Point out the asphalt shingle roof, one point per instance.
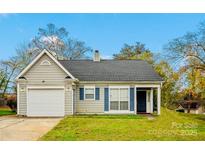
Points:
(111, 70)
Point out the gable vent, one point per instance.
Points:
(45, 63)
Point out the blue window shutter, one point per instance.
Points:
(132, 98)
(81, 93)
(106, 99)
(97, 93)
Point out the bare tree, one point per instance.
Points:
(9, 67)
(188, 50)
(51, 38)
(3, 77)
(57, 40)
(187, 53)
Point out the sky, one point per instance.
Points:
(104, 32)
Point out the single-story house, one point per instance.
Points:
(196, 107)
(52, 87)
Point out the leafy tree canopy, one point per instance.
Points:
(188, 54)
(171, 85)
(136, 51)
(163, 68)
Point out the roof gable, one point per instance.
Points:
(44, 52)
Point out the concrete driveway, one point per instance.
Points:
(14, 128)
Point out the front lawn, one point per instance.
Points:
(168, 126)
(6, 111)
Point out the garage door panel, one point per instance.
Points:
(46, 102)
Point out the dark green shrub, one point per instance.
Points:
(12, 103)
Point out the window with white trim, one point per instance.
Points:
(119, 98)
(89, 93)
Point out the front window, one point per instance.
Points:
(124, 99)
(90, 93)
(119, 99)
(114, 99)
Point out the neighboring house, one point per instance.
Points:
(196, 107)
(51, 87)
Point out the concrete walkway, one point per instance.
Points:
(14, 128)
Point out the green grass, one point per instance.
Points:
(6, 111)
(168, 126)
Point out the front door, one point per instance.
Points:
(141, 101)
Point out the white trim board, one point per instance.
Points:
(122, 82)
(37, 58)
(147, 86)
(46, 87)
(120, 86)
(119, 112)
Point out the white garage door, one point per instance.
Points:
(45, 102)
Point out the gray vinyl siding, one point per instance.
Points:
(53, 75)
(74, 101)
(89, 106)
(94, 106)
(97, 106)
(22, 99)
(68, 100)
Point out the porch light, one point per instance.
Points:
(22, 89)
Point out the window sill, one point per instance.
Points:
(89, 99)
(119, 112)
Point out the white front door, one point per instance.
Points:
(46, 102)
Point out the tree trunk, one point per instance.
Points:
(189, 107)
(2, 82)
